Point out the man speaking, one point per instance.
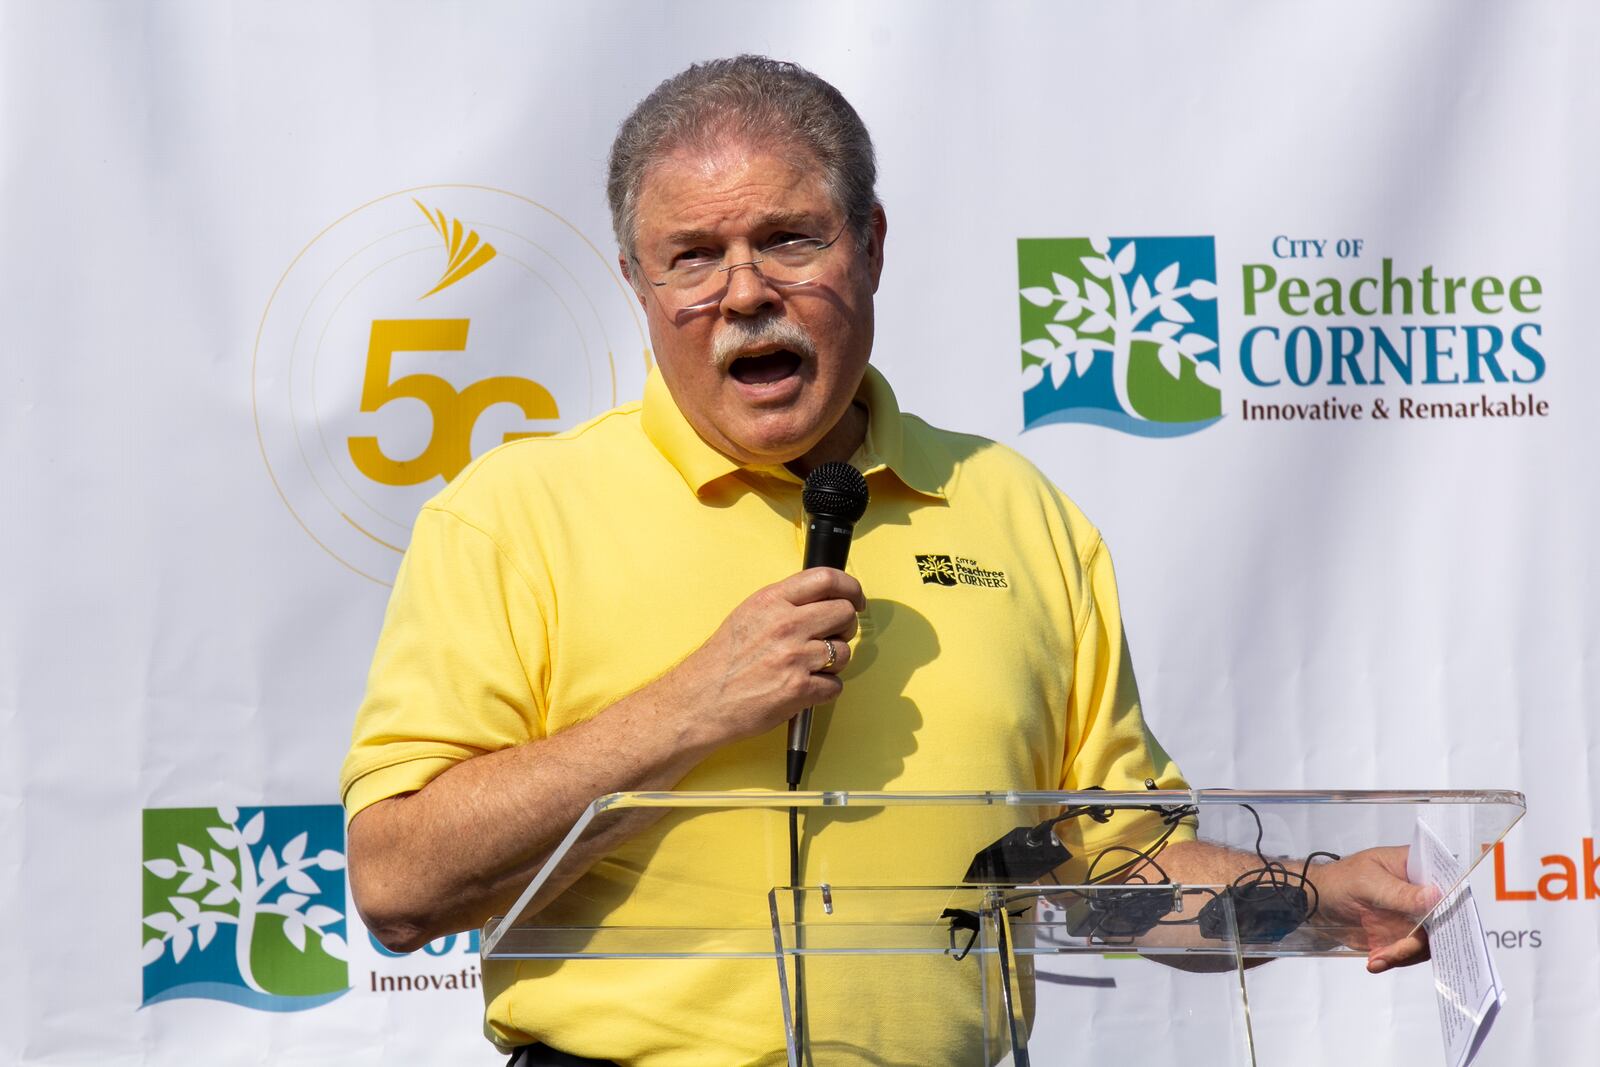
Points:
(620, 607)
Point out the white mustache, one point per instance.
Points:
(741, 335)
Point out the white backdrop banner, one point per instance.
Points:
(1288, 296)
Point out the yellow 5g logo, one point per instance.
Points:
(454, 411)
(367, 394)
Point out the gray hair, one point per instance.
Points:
(750, 98)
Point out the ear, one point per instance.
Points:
(877, 228)
(627, 274)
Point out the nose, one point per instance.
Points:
(749, 293)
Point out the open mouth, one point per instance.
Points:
(764, 368)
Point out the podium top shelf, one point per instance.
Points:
(767, 799)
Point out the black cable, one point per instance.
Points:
(1118, 915)
(1277, 874)
(1272, 883)
(1142, 859)
(1172, 818)
(799, 932)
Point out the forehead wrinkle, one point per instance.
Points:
(766, 220)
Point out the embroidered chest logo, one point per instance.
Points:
(958, 570)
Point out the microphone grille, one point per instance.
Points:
(837, 490)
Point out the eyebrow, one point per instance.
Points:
(769, 220)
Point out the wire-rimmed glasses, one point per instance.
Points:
(701, 281)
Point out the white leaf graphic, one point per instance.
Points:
(295, 931)
(1194, 343)
(330, 860)
(1038, 296)
(1170, 359)
(222, 894)
(302, 882)
(1100, 268)
(1096, 323)
(1059, 371)
(1125, 259)
(1167, 278)
(1100, 244)
(320, 915)
(161, 868)
(1201, 289)
(295, 849)
(1066, 287)
(1042, 347)
(222, 867)
(1069, 310)
(164, 921)
(192, 860)
(292, 901)
(229, 813)
(1166, 329)
(252, 829)
(269, 864)
(334, 946)
(1097, 297)
(1064, 335)
(1085, 360)
(207, 930)
(1209, 374)
(193, 882)
(151, 951)
(185, 907)
(1032, 375)
(1175, 311)
(1141, 292)
(182, 938)
(224, 837)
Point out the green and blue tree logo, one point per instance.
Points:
(245, 905)
(1120, 332)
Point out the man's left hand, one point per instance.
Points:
(1367, 893)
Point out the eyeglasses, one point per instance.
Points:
(699, 281)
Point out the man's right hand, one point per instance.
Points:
(768, 659)
(460, 849)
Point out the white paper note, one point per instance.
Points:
(1464, 974)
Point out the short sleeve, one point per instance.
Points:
(460, 667)
(1108, 743)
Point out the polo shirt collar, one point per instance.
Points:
(885, 447)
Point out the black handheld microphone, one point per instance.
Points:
(835, 498)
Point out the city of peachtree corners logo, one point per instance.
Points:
(935, 569)
(245, 905)
(418, 331)
(1120, 332)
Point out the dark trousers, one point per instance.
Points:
(545, 1056)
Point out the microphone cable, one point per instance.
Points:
(800, 1022)
(834, 498)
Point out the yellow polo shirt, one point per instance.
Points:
(556, 575)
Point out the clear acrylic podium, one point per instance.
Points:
(972, 928)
